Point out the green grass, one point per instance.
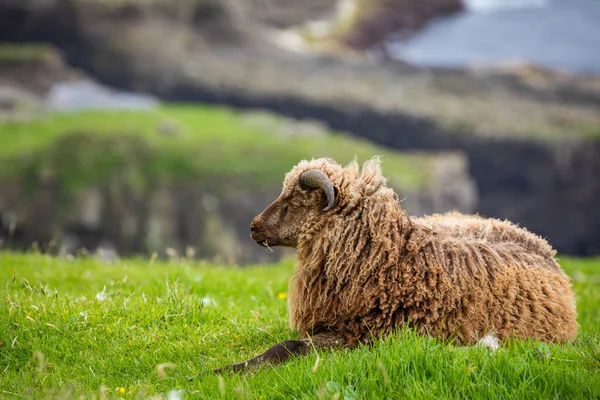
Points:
(58, 339)
(31, 52)
(181, 143)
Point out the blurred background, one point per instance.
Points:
(162, 127)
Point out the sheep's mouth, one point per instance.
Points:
(265, 244)
(262, 240)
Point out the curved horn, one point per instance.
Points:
(315, 179)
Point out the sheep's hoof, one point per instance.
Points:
(200, 374)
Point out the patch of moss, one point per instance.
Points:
(26, 53)
(591, 132)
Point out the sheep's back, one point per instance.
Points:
(456, 229)
(500, 278)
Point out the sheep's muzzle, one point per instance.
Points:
(258, 234)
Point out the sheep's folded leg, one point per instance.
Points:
(282, 351)
(276, 354)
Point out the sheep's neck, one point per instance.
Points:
(356, 242)
(343, 257)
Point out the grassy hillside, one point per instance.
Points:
(141, 328)
(182, 142)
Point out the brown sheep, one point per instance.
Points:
(366, 268)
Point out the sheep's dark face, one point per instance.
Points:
(302, 200)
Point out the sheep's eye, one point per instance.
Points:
(303, 186)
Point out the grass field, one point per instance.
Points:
(138, 328)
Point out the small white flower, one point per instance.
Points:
(101, 296)
(175, 395)
(208, 301)
(489, 341)
(84, 315)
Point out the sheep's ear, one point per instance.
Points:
(317, 179)
(371, 176)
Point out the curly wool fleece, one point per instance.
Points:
(365, 268)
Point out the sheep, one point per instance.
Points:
(365, 268)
